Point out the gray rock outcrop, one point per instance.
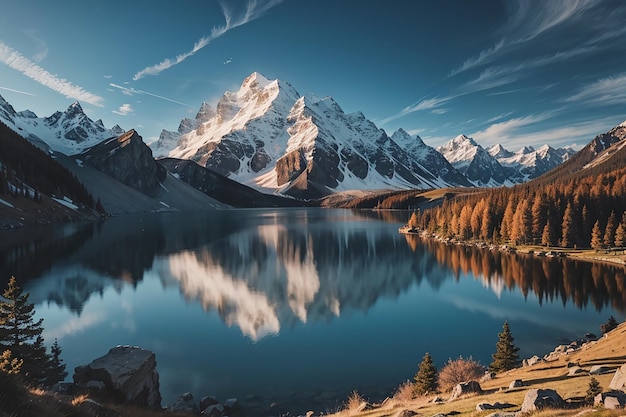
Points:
(619, 379)
(185, 403)
(128, 373)
(538, 399)
(464, 388)
(611, 400)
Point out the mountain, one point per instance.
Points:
(604, 152)
(68, 132)
(528, 162)
(267, 136)
(475, 162)
(124, 176)
(35, 188)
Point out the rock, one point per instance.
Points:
(611, 399)
(215, 410)
(599, 370)
(470, 387)
(532, 361)
(231, 404)
(185, 403)
(612, 403)
(576, 370)
(128, 373)
(436, 400)
(494, 406)
(516, 384)
(538, 399)
(488, 376)
(207, 401)
(405, 413)
(507, 414)
(618, 382)
(571, 365)
(95, 385)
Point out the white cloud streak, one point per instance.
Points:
(511, 132)
(254, 10)
(129, 91)
(18, 62)
(18, 91)
(124, 110)
(606, 91)
(527, 23)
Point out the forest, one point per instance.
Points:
(572, 212)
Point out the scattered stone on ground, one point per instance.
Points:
(532, 361)
(538, 399)
(185, 403)
(611, 399)
(516, 384)
(599, 370)
(576, 370)
(470, 387)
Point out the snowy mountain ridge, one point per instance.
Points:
(68, 132)
(266, 135)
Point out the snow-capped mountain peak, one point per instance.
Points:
(498, 151)
(69, 132)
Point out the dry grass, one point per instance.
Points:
(609, 351)
(79, 400)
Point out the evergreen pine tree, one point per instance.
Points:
(427, 377)
(20, 333)
(506, 356)
(56, 368)
(594, 388)
(609, 325)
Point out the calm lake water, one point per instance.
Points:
(294, 306)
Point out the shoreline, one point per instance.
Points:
(585, 255)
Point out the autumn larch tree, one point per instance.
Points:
(609, 232)
(568, 227)
(506, 356)
(427, 377)
(596, 237)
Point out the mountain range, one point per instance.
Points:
(264, 145)
(267, 136)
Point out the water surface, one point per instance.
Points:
(294, 306)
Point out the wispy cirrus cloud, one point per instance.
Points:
(124, 110)
(527, 22)
(434, 104)
(19, 62)
(518, 132)
(18, 91)
(606, 91)
(129, 91)
(254, 10)
(41, 47)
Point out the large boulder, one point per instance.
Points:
(185, 403)
(464, 388)
(128, 373)
(618, 382)
(612, 399)
(538, 399)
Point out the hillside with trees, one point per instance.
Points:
(580, 204)
(30, 178)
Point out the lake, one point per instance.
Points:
(296, 307)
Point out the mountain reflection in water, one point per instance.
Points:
(296, 306)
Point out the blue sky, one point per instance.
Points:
(503, 71)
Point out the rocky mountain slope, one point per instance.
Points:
(68, 132)
(269, 137)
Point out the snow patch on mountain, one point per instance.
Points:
(69, 132)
